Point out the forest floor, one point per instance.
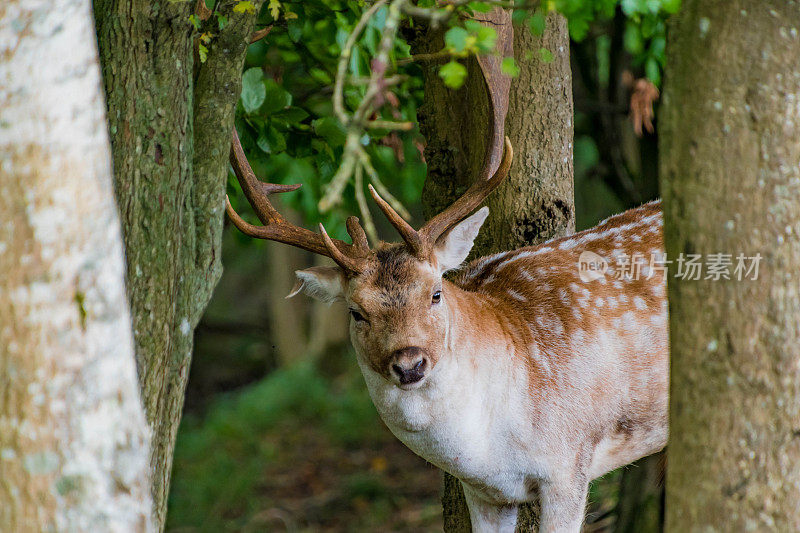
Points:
(298, 452)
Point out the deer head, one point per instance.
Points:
(394, 292)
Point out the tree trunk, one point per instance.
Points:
(536, 201)
(170, 122)
(73, 435)
(640, 501)
(731, 181)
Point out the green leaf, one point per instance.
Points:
(331, 130)
(632, 39)
(253, 90)
(378, 20)
(453, 74)
(657, 48)
(276, 97)
(222, 21)
(484, 36)
(631, 7)
(652, 71)
(670, 6)
(537, 23)
(245, 7)
(291, 115)
(271, 141)
(202, 51)
(456, 38)
(487, 37)
(519, 16)
(578, 27)
(295, 30)
(480, 7)
(274, 8)
(509, 67)
(195, 20)
(546, 55)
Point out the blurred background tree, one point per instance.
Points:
(279, 432)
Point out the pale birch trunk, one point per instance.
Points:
(73, 436)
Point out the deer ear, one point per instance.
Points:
(453, 247)
(321, 283)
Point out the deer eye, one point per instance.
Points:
(358, 317)
(437, 296)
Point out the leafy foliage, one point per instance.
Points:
(286, 119)
(292, 132)
(645, 30)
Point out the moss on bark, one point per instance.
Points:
(170, 121)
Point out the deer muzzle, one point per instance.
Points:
(408, 366)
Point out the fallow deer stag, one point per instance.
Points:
(516, 376)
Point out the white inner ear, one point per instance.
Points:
(321, 283)
(453, 248)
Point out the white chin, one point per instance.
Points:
(411, 386)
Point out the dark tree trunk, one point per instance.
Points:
(730, 175)
(536, 201)
(170, 123)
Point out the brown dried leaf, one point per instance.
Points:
(643, 94)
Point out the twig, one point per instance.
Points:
(389, 125)
(201, 10)
(391, 80)
(434, 56)
(355, 161)
(260, 34)
(333, 192)
(381, 188)
(354, 158)
(361, 200)
(344, 59)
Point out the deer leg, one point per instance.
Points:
(563, 505)
(487, 517)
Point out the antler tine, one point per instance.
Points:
(498, 85)
(344, 261)
(357, 233)
(469, 201)
(406, 231)
(276, 228)
(256, 191)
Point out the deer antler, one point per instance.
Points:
(422, 241)
(498, 85)
(469, 201)
(351, 257)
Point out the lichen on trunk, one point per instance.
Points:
(73, 434)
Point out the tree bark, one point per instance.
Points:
(73, 434)
(170, 123)
(535, 203)
(730, 175)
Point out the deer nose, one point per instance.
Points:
(409, 364)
